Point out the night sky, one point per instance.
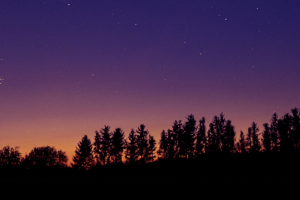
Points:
(68, 68)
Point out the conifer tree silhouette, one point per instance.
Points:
(284, 130)
(295, 130)
(189, 136)
(117, 145)
(228, 138)
(219, 125)
(267, 138)
(83, 158)
(131, 152)
(201, 138)
(163, 145)
(97, 149)
(215, 134)
(256, 145)
(274, 133)
(171, 146)
(105, 145)
(211, 140)
(151, 149)
(178, 132)
(249, 140)
(242, 143)
(142, 143)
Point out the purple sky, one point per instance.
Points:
(70, 67)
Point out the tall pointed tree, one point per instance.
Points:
(131, 148)
(171, 146)
(179, 139)
(142, 143)
(266, 138)
(242, 143)
(254, 133)
(216, 134)
(105, 145)
(228, 138)
(201, 137)
(284, 130)
(190, 136)
(97, 149)
(163, 145)
(211, 146)
(295, 131)
(249, 140)
(117, 145)
(83, 158)
(274, 133)
(151, 149)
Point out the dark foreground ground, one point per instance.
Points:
(205, 179)
(281, 187)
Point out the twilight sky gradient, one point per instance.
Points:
(69, 67)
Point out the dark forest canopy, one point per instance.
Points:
(191, 139)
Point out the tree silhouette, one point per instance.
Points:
(131, 148)
(178, 132)
(142, 143)
(295, 130)
(163, 145)
(151, 149)
(219, 126)
(211, 140)
(10, 157)
(83, 158)
(215, 134)
(189, 136)
(249, 140)
(171, 144)
(256, 145)
(274, 133)
(117, 145)
(228, 138)
(105, 145)
(41, 157)
(242, 143)
(201, 137)
(97, 150)
(284, 130)
(267, 138)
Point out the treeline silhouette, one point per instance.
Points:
(188, 148)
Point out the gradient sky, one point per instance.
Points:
(68, 68)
